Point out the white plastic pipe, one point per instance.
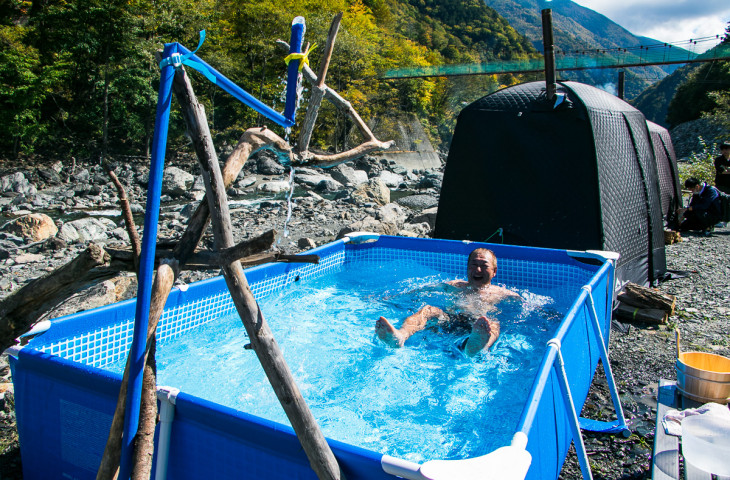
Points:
(167, 397)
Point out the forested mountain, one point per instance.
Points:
(577, 28)
(78, 77)
(654, 101)
(688, 93)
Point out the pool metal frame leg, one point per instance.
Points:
(577, 423)
(619, 425)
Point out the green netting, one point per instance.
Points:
(599, 58)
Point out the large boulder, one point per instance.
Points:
(268, 166)
(391, 179)
(176, 182)
(375, 191)
(90, 229)
(16, 183)
(426, 216)
(33, 227)
(348, 176)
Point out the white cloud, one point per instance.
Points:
(666, 20)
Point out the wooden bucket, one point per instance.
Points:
(703, 377)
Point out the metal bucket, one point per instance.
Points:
(704, 377)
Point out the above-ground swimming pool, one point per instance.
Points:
(384, 411)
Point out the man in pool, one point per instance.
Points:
(477, 296)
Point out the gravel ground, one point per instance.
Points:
(640, 356)
(644, 354)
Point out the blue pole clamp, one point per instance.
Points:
(177, 60)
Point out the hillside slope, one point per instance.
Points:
(579, 28)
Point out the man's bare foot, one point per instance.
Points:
(483, 334)
(388, 333)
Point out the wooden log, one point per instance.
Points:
(144, 441)
(320, 456)
(20, 310)
(646, 315)
(127, 214)
(164, 279)
(643, 297)
(672, 237)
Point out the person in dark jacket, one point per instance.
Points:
(704, 209)
(722, 169)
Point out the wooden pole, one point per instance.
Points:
(549, 53)
(320, 456)
(621, 80)
(318, 88)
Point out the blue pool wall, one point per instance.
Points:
(65, 400)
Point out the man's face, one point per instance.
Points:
(725, 152)
(481, 269)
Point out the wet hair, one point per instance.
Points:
(485, 251)
(691, 182)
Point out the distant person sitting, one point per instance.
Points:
(704, 209)
(476, 297)
(722, 169)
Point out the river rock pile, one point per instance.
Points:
(49, 214)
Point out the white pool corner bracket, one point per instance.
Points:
(505, 463)
(361, 237)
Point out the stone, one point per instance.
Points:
(306, 243)
(391, 213)
(49, 175)
(375, 191)
(176, 182)
(33, 227)
(426, 216)
(268, 166)
(418, 202)
(245, 182)
(348, 176)
(17, 183)
(312, 180)
(328, 185)
(369, 224)
(278, 186)
(391, 179)
(28, 258)
(90, 229)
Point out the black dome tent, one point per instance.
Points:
(576, 172)
(666, 160)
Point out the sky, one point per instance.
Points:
(667, 20)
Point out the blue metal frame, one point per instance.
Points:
(174, 56)
(553, 366)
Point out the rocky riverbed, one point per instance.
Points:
(81, 206)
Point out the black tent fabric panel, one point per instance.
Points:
(521, 169)
(650, 179)
(625, 214)
(666, 161)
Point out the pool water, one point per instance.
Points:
(420, 402)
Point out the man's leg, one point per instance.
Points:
(484, 333)
(415, 323)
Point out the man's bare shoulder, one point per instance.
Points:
(458, 283)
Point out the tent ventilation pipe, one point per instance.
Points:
(549, 49)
